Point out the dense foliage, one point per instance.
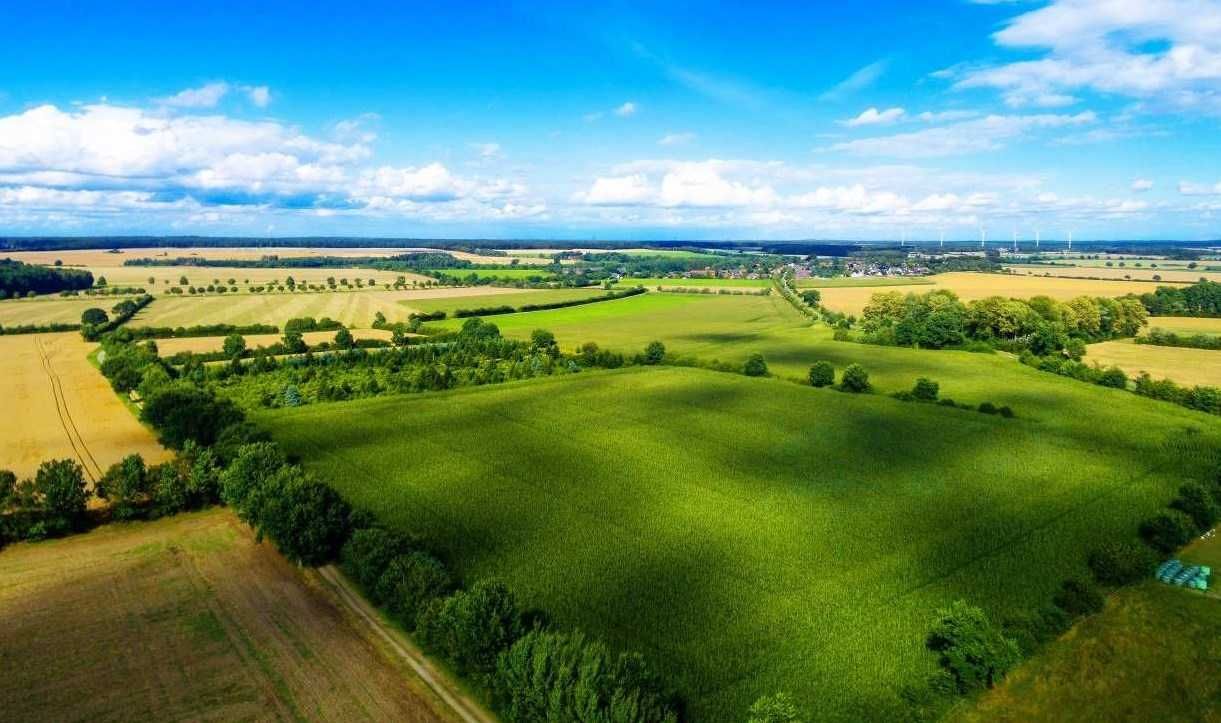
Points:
(1202, 298)
(21, 279)
(1161, 337)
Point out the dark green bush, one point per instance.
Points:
(925, 390)
(854, 379)
(822, 374)
(1122, 563)
(1168, 531)
(1079, 598)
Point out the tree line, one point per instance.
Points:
(21, 279)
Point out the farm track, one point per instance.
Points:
(461, 704)
(65, 416)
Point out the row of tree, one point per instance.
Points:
(1202, 298)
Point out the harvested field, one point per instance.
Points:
(970, 286)
(60, 406)
(655, 281)
(1186, 324)
(185, 618)
(1180, 364)
(1144, 273)
(52, 310)
(206, 344)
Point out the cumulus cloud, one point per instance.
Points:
(875, 117)
(971, 136)
(625, 110)
(259, 95)
(1165, 52)
(206, 96)
(1142, 184)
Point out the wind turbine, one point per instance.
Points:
(983, 236)
(1070, 240)
(1015, 240)
(1036, 238)
(942, 238)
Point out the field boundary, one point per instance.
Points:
(461, 704)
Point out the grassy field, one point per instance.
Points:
(186, 618)
(60, 406)
(1181, 364)
(515, 299)
(970, 286)
(513, 274)
(1186, 324)
(809, 555)
(1151, 655)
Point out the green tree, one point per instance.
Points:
(822, 374)
(234, 346)
(971, 648)
(1078, 597)
(1122, 563)
(59, 491)
(654, 353)
(1168, 531)
(854, 379)
(778, 708)
(126, 486)
(543, 342)
(755, 366)
(181, 412)
(294, 342)
(344, 339)
(94, 316)
(926, 390)
(470, 628)
(410, 582)
(1198, 503)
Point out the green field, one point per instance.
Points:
(539, 296)
(808, 555)
(655, 281)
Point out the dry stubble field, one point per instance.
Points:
(58, 405)
(1181, 364)
(185, 618)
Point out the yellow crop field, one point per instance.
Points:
(970, 286)
(59, 405)
(52, 310)
(186, 618)
(1186, 324)
(206, 344)
(1167, 276)
(1182, 365)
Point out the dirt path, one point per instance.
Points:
(462, 705)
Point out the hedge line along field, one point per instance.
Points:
(1144, 273)
(808, 556)
(1150, 655)
(353, 308)
(207, 344)
(1186, 324)
(185, 618)
(59, 406)
(714, 283)
(971, 285)
(1180, 364)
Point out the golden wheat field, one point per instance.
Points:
(1186, 324)
(1168, 276)
(59, 405)
(970, 286)
(52, 310)
(1185, 366)
(206, 344)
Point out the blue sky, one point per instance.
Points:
(624, 120)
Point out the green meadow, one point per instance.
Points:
(753, 535)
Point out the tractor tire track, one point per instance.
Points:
(65, 417)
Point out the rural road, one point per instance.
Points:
(462, 705)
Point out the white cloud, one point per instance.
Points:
(625, 110)
(619, 191)
(676, 139)
(971, 136)
(1165, 52)
(946, 116)
(259, 95)
(488, 151)
(206, 96)
(1187, 188)
(874, 117)
(859, 80)
(1142, 184)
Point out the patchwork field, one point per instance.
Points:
(1181, 364)
(353, 308)
(970, 286)
(1151, 655)
(60, 406)
(50, 310)
(186, 618)
(655, 281)
(773, 563)
(513, 274)
(1128, 271)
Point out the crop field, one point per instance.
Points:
(1144, 273)
(60, 406)
(773, 563)
(970, 286)
(52, 310)
(1186, 324)
(655, 281)
(511, 297)
(206, 344)
(1181, 364)
(1151, 655)
(185, 618)
(513, 274)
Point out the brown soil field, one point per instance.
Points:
(186, 618)
(970, 286)
(1180, 364)
(205, 344)
(59, 405)
(354, 308)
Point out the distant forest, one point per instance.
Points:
(18, 279)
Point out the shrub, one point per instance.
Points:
(244, 478)
(755, 366)
(470, 628)
(367, 554)
(971, 648)
(182, 412)
(925, 390)
(654, 353)
(94, 316)
(1078, 598)
(778, 708)
(1113, 377)
(1122, 563)
(1168, 531)
(855, 379)
(126, 485)
(565, 677)
(1005, 412)
(1198, 503)
(1031, 630)
(410, 582)
(822, 374)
